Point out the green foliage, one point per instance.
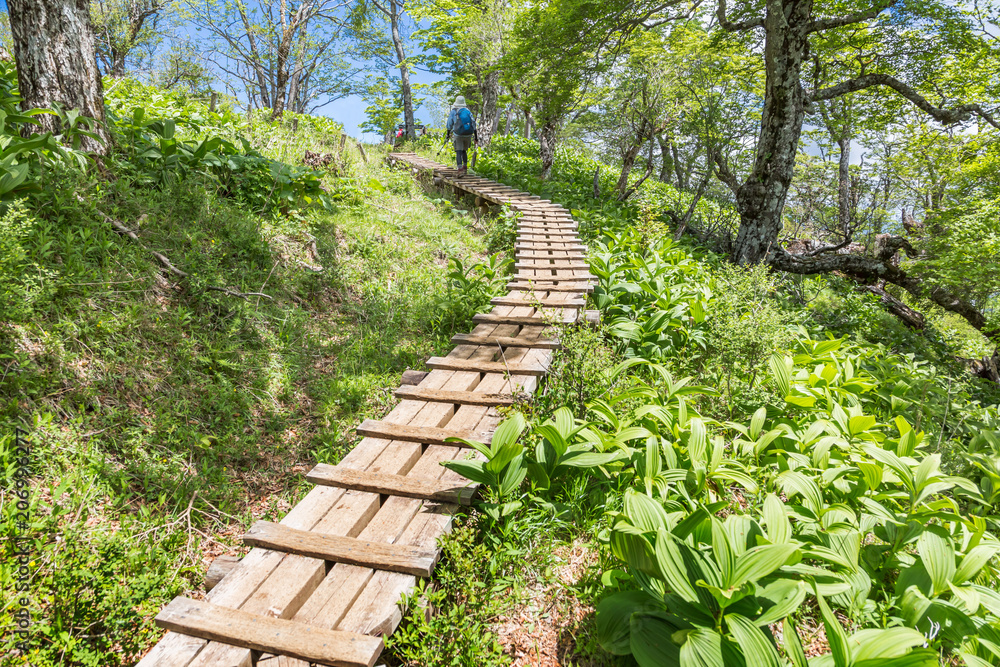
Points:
(514, 160)
(829, 480)
(580, 371)
(469, 290)
(22, 281)
(154, 154)
(745, 324)
(458, 632)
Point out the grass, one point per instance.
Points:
(165, 416)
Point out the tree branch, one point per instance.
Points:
(869, 270)
(739, 26)
(722, 170)
(947, 116)
(856, 17)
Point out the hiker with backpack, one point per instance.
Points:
(463, 126)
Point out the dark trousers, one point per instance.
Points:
(462, 145)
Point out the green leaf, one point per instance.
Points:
(509, 431)
(785, 596)
(974, 561)
(698, 441)
(471, 470)
(651, 641)
(723, 552)
(794, 482)
(757, 422)
(672, 566)
(701, 648)
(835, 635)
(614, 620)
(634, 549)
(761, 561)
(860, 424)
(801, 401)
(938, 555)
(644, 512)
(923, 657)
(779, 530)
(874, 644)
(781, 371)
(756, 648)
(793, 645)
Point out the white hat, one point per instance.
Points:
(459, 102)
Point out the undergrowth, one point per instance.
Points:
(753, 459)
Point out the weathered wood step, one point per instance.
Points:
(542, 245)
(543, 263)
(557, 255)
(565, 275)
(514, 368)
(506, 341)
(525, 301)
(574, 285)
(527, 320)
(398, 485)
(426, 435)
(270, 635)
(340, 549)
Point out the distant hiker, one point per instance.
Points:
(463, 126)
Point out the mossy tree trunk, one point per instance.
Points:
(56, 63)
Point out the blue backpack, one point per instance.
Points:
(464, 124)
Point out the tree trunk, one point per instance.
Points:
(667, 160)
(117, 64)
(54, 50)
(404, 70)
(264, 89)
(547, 146)
(627, 163)
(844, 184)
(489, 88)
(296, 87)
(528, 123)
(760, 200)
(509, 114)
(683, 177)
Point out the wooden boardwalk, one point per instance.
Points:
(324, 585)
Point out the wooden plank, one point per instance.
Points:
(512, 367)
(547, 277)
(397, 485)
(544, 263)
(454, 397)
(426, 435)
(413, 377)
(539, 320)
(339, 549)
(506, 341)
(273, 635)
(549, 286)
(538, 245)
(525, 301)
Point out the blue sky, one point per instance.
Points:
(350, 111)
